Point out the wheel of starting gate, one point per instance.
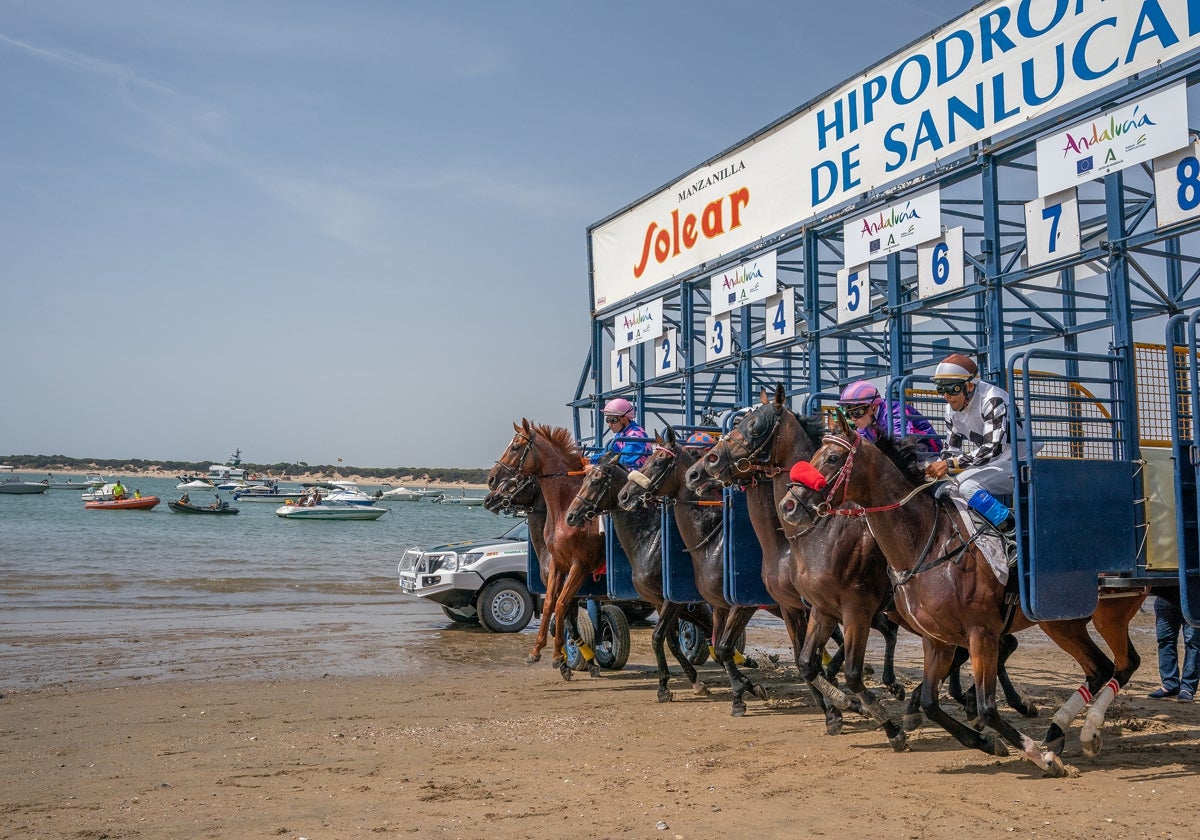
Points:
(612, 640)
(693, 642)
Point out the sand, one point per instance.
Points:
(461, 739)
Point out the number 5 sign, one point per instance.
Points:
(854, 293)
(940, 264)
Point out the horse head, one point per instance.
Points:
(744, 455)
(515, 471)
(598, 493)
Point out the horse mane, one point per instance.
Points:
(813, 426)
(560, 439)
(905, 454)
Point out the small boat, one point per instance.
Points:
(68, 484)
(94, 480)
(463, 500)
(103, 493)
(17, 487)
(406, 494)
(270, 493)
(127, 503)
(341, 491)
(330, 510)
(194, 483)
(217, 509)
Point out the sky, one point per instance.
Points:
(352, 230)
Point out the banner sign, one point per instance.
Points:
(1001, 65)
(1132, 134)
(639, 324)
(747, 283)
(905, 224)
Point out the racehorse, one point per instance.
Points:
(945, 588)
(699, 519)
(640, 535)
(826, 574)
(549, 456)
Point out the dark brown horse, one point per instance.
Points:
(823, 575)
(945, 588)
(549, 456)
(699, 519)
(640, 534)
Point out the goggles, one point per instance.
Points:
(614, 418)
(856, 411)
(950, 389)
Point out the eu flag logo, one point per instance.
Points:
(732, 297)
(1083, 165)
(874, 245)
(629, 336)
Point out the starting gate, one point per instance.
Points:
(1022, 186)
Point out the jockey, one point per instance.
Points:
(618, 414)
(700, 441)
(977, 441)
(872, 416)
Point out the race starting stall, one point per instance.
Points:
(1021, 185)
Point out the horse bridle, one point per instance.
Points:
(752, 461)
(590, 512)
(651, 485)
(526, 479)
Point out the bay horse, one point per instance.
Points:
(699, 519)
(945, 588)
(549, 456)
(829, 573)
(640, 535)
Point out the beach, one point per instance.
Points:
(443, 731)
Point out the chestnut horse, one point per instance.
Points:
(824, 575)
(640, 535)
(699, 519)
(945, 588)
(551, 457)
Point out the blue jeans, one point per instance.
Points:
(1168, 621)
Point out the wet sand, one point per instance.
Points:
(303, 726)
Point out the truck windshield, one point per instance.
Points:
(520, 531)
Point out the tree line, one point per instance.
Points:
(440, 475)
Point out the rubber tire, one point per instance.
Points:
(693, 645)
(458, 617)
(612, 646)
(505, 606)
(587, 633)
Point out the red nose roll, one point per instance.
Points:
(808, 475)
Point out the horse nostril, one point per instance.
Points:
(789, 506)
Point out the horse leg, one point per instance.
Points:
(1111, 620)
(938, 659)
(553, 582)
(1023, 707)
(808, 659)
(834, 664)
(857, 629)
(985, 658)
(702, 619)
(890, 631)
(666, 632)
(570, 587)
(735, 622)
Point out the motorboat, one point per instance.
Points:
(463, 500)
(94, 480)
(341, 491)
(194, 483)
(407, 494)
(103, 493)
(268, 493)
(67, 484)
(216, 509)
(17, 487)
(127, 503)
(330, 510)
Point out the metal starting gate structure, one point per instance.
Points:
(1021, 185)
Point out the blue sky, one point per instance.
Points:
(356, 230)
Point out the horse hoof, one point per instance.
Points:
(1055, 769)
(896, 690)
(700, 689)
(533, 657)
(758, 691)
(665, 695)
(976, 723)
(565, 671)
(738, 710)
(593, 668)
(556, 662)
(833, 726)
(911, 723)
(1093, 745)
(994, 746)
(899, 742)
(1056, 745)
(1031, 711)
(750, 663)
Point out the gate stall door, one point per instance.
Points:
(743, 554)
(1185, 386)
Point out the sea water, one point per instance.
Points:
(107, 581)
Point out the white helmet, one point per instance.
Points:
(956, 368)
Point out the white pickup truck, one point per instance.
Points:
(479, 582)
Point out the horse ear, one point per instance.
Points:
(762, 396)
(671, 436)
(525, 425)
(843, 425)
(779, 398)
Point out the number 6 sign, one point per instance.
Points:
(940, 264)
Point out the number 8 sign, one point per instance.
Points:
(1177, 186)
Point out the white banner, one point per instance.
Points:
(1134, 133)
(905, 224)
(747, 283)
(1002, 64)
(639, 324)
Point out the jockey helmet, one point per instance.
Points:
(619, 407)
(861, 392)
(956, 368)
(700, 440)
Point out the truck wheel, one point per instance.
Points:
(612, 646)
(464, 615)
(505, 606)
(693, 643)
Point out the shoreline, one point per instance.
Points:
(407, 481)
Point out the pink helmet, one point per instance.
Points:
(861, 392)
(618, 407)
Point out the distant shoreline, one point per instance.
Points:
(405, 481)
